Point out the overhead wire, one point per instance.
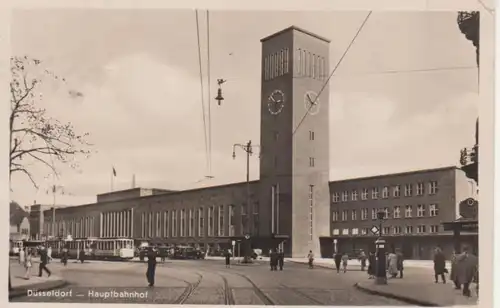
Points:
(333, 71)
(209, 99)
(202, 91)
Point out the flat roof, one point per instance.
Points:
(296, 29)
(395, 174)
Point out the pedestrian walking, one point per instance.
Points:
(362, 259)
(281, 259)
(43, 262)
(49, 254)
(227, 255)
(22, 255)
(400, 262)
(466, 270)
(151, 270)
(439, 265)
(338, 261)
(64, 256)
(453, 271)
(345, 259)
(27, 262)
(371, 265)
(392, 265)
(82, 255)
(310, 258)
(273, 259)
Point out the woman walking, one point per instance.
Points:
(439, 265)
(392, 265)
(345, 259)
(28, 264)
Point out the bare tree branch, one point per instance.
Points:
(35, 136)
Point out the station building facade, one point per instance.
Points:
(293, 197)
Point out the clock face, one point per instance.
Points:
(276, 102)
(311, 102)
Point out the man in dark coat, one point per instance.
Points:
(439, 265)
(227, 256)
(372, 259)
(399, 262)
(44, 258)
(338, 260)
(82, 255)
(466, 268)
(273, 259)
(151, 270)
(64, 256)
(281, 259)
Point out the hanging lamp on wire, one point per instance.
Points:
(219, 97)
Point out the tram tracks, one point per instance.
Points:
(260, 294)
(191, 287)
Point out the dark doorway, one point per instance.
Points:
(407, 250)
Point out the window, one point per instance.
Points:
(364, 214)
(345, 196)
(158, 224)
(191, 223)
(434, 229)
(311, 213)
(397, 230)
(221, 220)
(335, 216)
(420, 189)
(311, 135)
(375, 193)
(374, 213)
(345, 231)
(355, 231)
(336, 232)
(336, 197)
(231, 220)
(211, 221)
(421, 229)
(364, 194)
(201, 222)
(385, 192)
(364, 231)
(165, 224)
(174, 223)
(386, 230)
(287, 60)
(386, 212)
(354, 215)
(354, 195)
(433, 210)
(150, 225)
(420, 210)
(311, 161)
(183, 223)
(397, 211)
(344, 215)
(396, 191)
(408, 229)
(408, 211)
(433, 187)
(408, 190)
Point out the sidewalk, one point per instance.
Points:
(418, 288)
(20, 286)
(329, 263)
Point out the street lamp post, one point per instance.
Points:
(381, 277)
(248, 148)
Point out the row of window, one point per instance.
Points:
(420, 229)
(191, 222)
(78, 227)
(310, 65)
(432, 189)
(276, 64)
(422, 209)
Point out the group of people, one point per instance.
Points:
(26, 256)
(464, 269)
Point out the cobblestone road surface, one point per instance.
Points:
(206, 282)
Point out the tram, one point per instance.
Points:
(94, 248)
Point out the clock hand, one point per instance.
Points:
(310, 100)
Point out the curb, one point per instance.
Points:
(406, 299)
(42, 286)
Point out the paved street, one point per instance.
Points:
(208, 282)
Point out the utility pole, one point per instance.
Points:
(248, 148)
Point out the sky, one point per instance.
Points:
(405, 97)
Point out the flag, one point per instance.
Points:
(114, 171)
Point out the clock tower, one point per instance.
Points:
(294, 139)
